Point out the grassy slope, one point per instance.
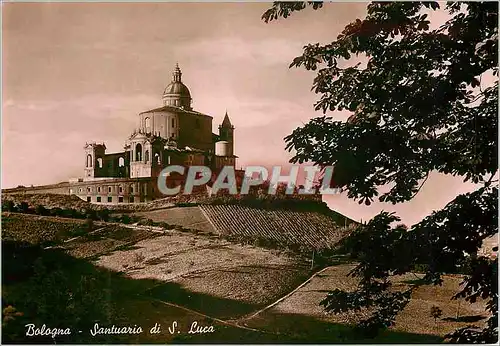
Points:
(50, 287)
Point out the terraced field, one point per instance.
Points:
(130, 275)
(309, 229)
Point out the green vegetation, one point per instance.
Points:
(418, 106)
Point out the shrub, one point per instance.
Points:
(103, 214)
(436, 312)
(23, 207)
(9, 206)
(40, 210)
(89, 224)
(125, 219)
(56, 212)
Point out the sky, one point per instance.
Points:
(80, 72)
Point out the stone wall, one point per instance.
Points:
(60, 189)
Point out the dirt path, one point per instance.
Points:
(249, 317)
(229, 323)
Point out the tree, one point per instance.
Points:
(436, 312)
(23, 207)
(9, 206)
(41, 210)
(89, 224)
(418, 106)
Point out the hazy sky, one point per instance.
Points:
(80, 72)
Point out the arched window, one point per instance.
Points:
(121, 162)
(157, 158)
(147, 124)
(146, 156)
(89, 160)
(99, 162)
(138, 152)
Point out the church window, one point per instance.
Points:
(99, 162)
(147, 124)
(89, 160)
(89, 189)
(89, 199)
(138, 152)
(157, 158)
(131, 188)
(146, 156)
(80, 190)
(120, 189)
(121, 162)
(109, 188)
(98, 189)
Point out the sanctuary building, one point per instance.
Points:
(173, 134)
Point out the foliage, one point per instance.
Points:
(23, 207)
(436, 312)
(49, 287)
(41, 210)
(417, 106)
(9, 206)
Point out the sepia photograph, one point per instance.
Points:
(249, 172)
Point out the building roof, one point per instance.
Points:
(175, 109)
(226, 122)
(176, 87)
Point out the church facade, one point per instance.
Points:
(173, 134)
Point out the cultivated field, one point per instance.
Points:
(282, 228)
(132, 275)
(415, 318)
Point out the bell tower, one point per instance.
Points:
(226, 133)
(94, 160)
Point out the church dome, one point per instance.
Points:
(176, 93)
(177, 88)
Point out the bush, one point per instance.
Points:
(9, 206)
(103, 214)
(89, 224)
(149, 222)
(40, 210)
(421, 268)
(56, 212)
(23, 207)
(125, 219)
(90, 214)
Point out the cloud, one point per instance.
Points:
(230, 50)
